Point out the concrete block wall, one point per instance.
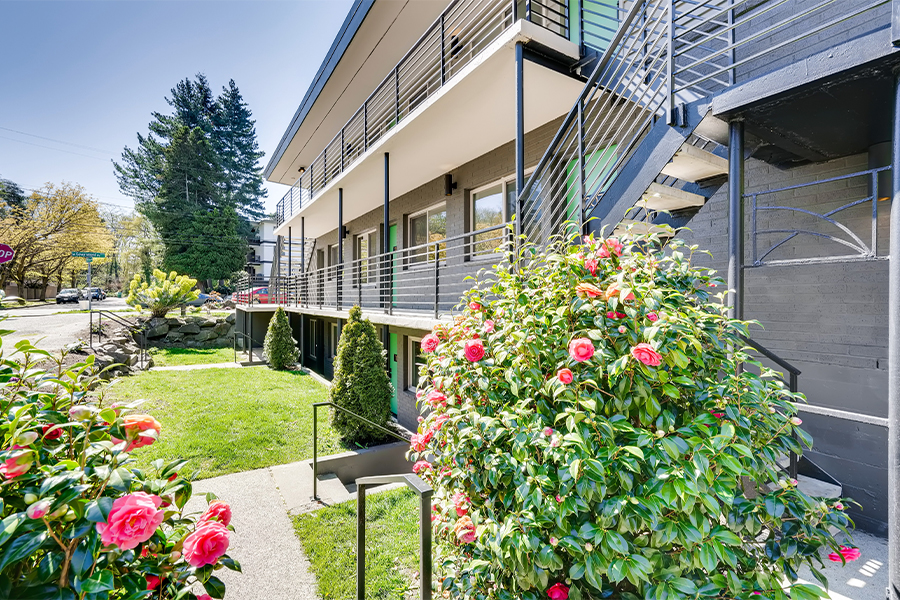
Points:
(830, 320)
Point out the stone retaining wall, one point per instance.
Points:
(191, 332)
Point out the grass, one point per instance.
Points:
(392, 545)
(230, 420)
(171, 357)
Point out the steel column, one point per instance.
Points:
(302, 264)
(736, 219)
(581, 167)
(339, 274)
(361, 542)
(290, 263)
(520, 133)
(386, 241)
(894, 360)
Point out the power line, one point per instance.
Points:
(51, 148)
(58, 141)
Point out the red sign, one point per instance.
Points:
(6, 253)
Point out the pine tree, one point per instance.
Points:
(234, 138)
(208, 246)
(12, 197)
(360, 383)
(280, 347)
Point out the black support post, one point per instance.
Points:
(520, 132)
(736, 219)
(302, 264)
(290, 263)
(339, 272)
(894, 360)
(386, 241)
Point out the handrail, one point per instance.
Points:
(132, 327)
(424, 492)
(315, 408)
(245, 336)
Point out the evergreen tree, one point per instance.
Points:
(280, 347)
(234, 138)
(12, 197)
(360, 383)
(208, 246)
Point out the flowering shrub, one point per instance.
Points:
(589, 435)
(77, 520)
(162, 293)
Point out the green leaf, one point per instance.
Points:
(21, 547)
(82, 559)
(576, 571)
(685, 586)
(234, 565)
(214, 587)
(635, 451)
(9, 525)
(97, 511)
(101, 581)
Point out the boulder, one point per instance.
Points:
(158, 331)
(230, 318)
(206, 334)
(157, 321)
(174, 336)
(208, 323)
(189, 328)
(222, 328)
(174, 322)
(228, 304)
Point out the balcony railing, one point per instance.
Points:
(427, 279)
(462, 31)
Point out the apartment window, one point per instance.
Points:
(332, 260)
(492, 205)
(428, 226)
(366, 248)
(332, 339)
(312, 336)
(414, 361)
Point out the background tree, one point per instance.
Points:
(360, 383)
(280, 347)
(208, 247)
(11, 196)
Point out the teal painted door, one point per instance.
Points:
(395, 369)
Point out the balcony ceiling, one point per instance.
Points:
(471, 115)
(387, 31)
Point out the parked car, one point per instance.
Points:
(202, 299)
(93, 293)
(67, 295)
(258, 295)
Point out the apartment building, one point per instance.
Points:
(761, 130)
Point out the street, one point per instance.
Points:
(50, 326)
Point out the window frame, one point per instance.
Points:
(371, 266)
(333, 337)
(409, 233)
(413, 349)
(504, 183)
(313, 326)
(329, 272)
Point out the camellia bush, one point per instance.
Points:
(589, 434)
(162, 293)
(77, 519)
(280, 347)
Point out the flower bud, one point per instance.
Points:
(27, 438)
(31, 498)
(70, 516)
(80, 413)
(174, 556)
(796, 420)
(660, 433)
(588, 547)
(553, 541)
(838, 506)
(59, 512)
(38, 510)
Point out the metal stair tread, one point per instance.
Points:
(693, 164)
(661, 197)
(639, 228)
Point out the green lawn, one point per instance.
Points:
(392, 545)
(170, 357)
(230, 420)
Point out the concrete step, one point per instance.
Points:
(691, 163)
(812, 486)
(639, 228)
(662, 197)
(331, 490)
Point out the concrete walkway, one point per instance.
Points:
(225, 365)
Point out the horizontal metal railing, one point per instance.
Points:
(452, 41)
(426, 279)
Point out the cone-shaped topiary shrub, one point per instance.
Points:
(360, 383)
(588, 432)
(279, 346)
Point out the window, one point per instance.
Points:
(428, 226)
(332, 260)
(414, 361)
(332, 339)
(311, 339)
(366, 248)
(492, 205)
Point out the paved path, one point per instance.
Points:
(48, 326)
(227, 365)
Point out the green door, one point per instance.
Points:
(395, 368)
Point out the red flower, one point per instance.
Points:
(430, 343)
(152, 582)
(565, 376)
(613, 290)
(646, 354)
(558, 592)
(581, 349)
(206, 545)
(465, 530)
(439, 421)
(474, 350)
(422, 465)
(137, 428)
(591, 265)
(420, 441)
(436, 399)
(653, 317)
(53, 435)
(588, 289)
(460, 503)
(849, 554)
(611, 246)
(474, 306)
(218, 511)
(488, 326)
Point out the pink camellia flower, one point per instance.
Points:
(622, 329)
(559, 498)
(436, 399)
(460, 503)
(588, 290)
(474, 306)
(474, 350)
(581, 349)
(653, 317)
(553, 541)
(430, 343)
(565, 376)
(849, 554)
(218, 511)
(420, 466)
(591, 265)
(796, 421)
(439, 421)
(489, 326)
(838, 506)
(611, 246)
(132, 520)
(555, 443)
(18, 463)
(152, 582)
(204, 597)
(142, 431)
(558, 592)
(419, 442)
(38, 510)
(548, 431)
(613, 291)
(717, 415)
(206, 545)
(645, 353)
(756, 593)
(465, 530)
(610, 315)
(52, 435)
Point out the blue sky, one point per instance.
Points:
(91, 73)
